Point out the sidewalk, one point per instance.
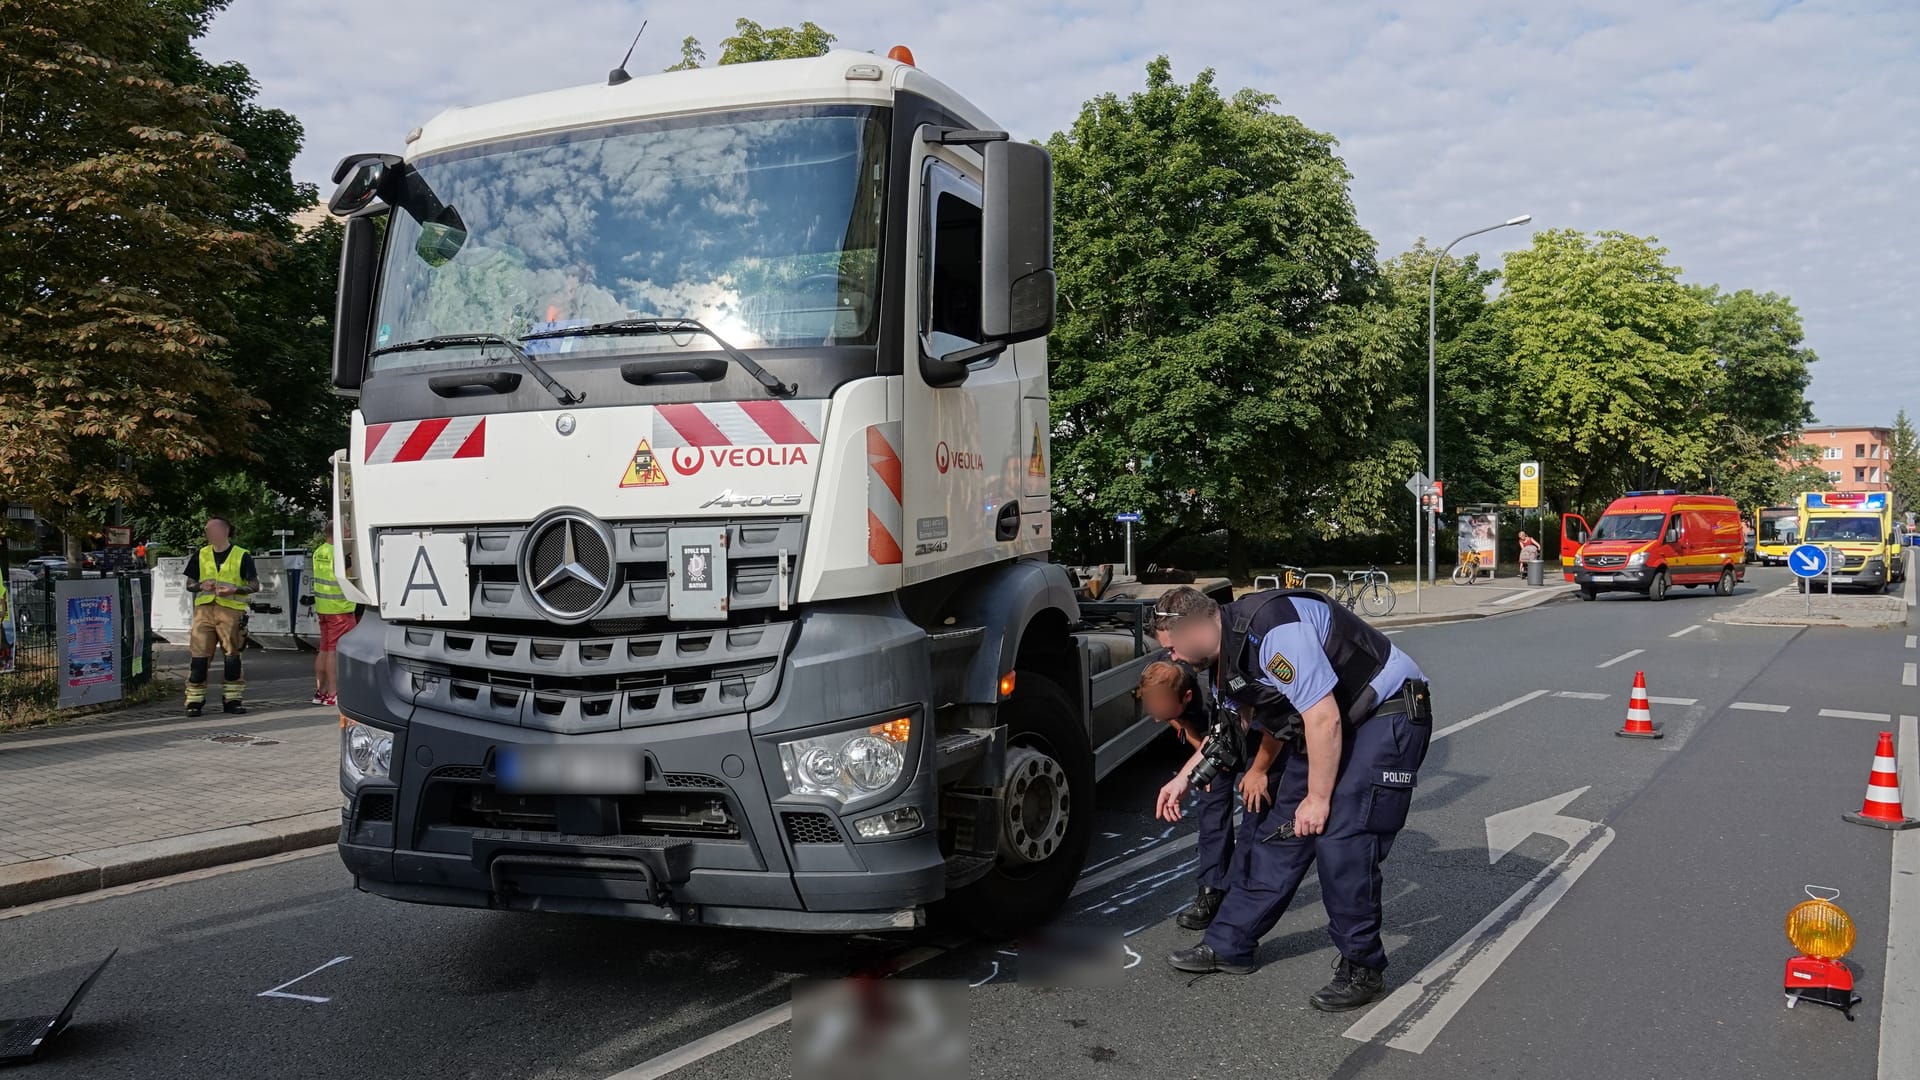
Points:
(1447, 602)
(125, 798)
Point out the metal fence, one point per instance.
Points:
(35, 678)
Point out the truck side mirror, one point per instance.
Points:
(353, 309)
(1017, 287)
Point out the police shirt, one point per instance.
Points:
(1292, 657)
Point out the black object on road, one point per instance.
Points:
(21, 1040)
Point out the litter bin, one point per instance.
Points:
(1536, 573)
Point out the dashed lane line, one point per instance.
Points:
(1630, 654)
(1911, 638)
(1490, 713)
(1910, 675)
(1755, 706)
(1848, 714)
(1673, 701)
(1684, 633)
(1580, 695)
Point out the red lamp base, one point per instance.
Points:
(1825, 982)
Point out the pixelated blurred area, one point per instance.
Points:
(1072, 956)
(880, 1029)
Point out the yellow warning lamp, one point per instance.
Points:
(1822, 932)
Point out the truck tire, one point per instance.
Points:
(1046, 822)
(1657, 588)
(1724, 587)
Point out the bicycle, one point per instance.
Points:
(1468, 572)
(1369, 588)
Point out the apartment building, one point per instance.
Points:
(1855, 459)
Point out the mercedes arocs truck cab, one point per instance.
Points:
(698, 493)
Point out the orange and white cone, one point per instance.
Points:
(1639, 723)
(1882, 806)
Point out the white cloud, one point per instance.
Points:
(1768, 149)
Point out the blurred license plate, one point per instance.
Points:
(1602, 577)
(569, 770)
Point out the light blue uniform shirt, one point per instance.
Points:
(1293, 658)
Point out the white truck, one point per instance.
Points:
(698, 497)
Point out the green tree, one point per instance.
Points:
(1613, 380)
(751, 42)
(1225, 357)
(119, 250)
(1759, 396)
(1478, 443)
(1903, 473)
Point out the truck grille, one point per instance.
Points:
(630, 665)
(811, 827)
(1605, 560)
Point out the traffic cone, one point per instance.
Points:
(1882, 806)
(1639, 723)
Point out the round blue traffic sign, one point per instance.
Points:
(1807, 561)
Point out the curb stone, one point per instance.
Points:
(104, 868)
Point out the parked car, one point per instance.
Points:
(47, 564)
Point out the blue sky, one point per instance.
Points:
(1769, 145)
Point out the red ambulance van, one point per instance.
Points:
(1650, 541)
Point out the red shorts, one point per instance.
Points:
(333, 628)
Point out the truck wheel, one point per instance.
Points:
(1657, 588)
(1587, 592)
(1046, 820)
(1724, 587)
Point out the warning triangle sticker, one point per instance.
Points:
(644, 470)
(1036, 462)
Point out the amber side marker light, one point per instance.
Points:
(1822, 932)
(1006, 685)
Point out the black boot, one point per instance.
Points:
(233, 706)
(1202, 960)
(195, 708)
(1352, 987)
(1199, 914)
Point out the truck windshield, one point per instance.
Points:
(1627, 527)
(1843, 529)
(763, 224)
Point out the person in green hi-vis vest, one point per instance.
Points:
(221, 577)
(336, 614)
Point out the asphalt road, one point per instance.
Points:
(1633, 928)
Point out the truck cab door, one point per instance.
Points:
(1573, 532)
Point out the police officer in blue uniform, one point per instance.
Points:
(1357, 715)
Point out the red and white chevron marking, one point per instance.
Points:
(739, 423)
(883, 494)
(438, 439)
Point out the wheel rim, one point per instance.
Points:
(1036, 806)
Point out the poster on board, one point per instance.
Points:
(1479, 532)
(89, 612)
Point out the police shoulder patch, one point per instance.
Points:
(1280, 668)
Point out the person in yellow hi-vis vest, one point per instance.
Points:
(336, 614)
(220, 576)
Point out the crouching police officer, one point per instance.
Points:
(1358, 715)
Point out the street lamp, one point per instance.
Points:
(1433, 464)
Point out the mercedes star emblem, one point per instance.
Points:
(567, 565)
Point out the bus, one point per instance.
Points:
(1776, 529)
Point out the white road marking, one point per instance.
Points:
(1684, 633)
(1909, 675)
(276, 991)
(1623, 656)
(1911, 638)
(679, 1058)
(991, 975)
(1414, 1015)
(1581, 695)
(1910, 581)
(1755, 706)
(1135, 959)
(1477, 717)
(1847, 714)
(1673, 701)
(1145, 858)
(1900, 974)
(1510, 598)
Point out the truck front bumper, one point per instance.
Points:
(438, 830)
(1613, 579)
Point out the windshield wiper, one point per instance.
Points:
(453, 341)
(617, 327)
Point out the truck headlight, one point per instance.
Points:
(847, 765)
(1638, 558)
(366, 752)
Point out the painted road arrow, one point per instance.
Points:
(1413, 1016)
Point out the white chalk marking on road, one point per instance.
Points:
(1756, 706)
(991, 975)
(1135, 961)
(1900, 978)
(706, 1046)
(1909, 675)
(1848, 714)
(1911, 638)
(1581, 695)
(1623, 656)
(1489, 714)
(276, 991)
(1145, 858)
(1673, 701)
(1684, 633)
(1416, 1013)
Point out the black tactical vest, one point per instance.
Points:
(1357, 652)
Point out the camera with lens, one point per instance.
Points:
(1223, 748)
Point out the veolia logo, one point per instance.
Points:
(945, 457)
(688, 460)
(691, 463)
